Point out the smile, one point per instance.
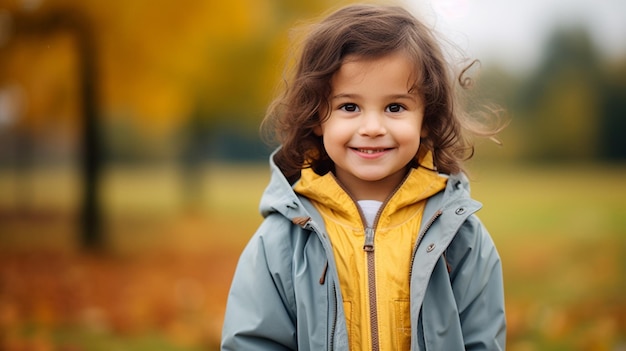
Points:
(371, 151)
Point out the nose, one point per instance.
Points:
(372, 124)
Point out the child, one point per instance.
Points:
(369, 240)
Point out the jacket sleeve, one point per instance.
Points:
(476, 276)
(259, 311)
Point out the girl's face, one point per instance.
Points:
(374, 126)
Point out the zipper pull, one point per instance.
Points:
(369, 240)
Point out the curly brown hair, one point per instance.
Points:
(370, 32)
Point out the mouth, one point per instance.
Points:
(371, 151)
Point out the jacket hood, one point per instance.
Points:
(278, 195)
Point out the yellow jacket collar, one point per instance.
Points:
(419, 184)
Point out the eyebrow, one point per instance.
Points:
(392, 96)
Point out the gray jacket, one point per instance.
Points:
(285, 292)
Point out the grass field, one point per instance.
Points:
(162, 284)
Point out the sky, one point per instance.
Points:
(512, 33)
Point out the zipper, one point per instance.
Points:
(368, 247)
(371, 282)
(420, 237)
(334, 324)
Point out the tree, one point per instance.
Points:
(157, 62)
(562, 99)
(76, 25)
(613, 125)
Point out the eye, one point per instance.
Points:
(395, 108)
(349, 107)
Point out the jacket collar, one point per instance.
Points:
(418, 185)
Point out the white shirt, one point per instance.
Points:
(370, 209)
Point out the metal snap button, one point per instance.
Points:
(430, 247)
(460, 210)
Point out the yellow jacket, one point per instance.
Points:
(373, 263)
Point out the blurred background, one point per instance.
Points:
(131, 165)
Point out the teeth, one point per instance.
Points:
(369, 151)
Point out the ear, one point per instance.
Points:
(318, 130)
(423, 132)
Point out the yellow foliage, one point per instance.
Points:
(156, 60)
(46, 73)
